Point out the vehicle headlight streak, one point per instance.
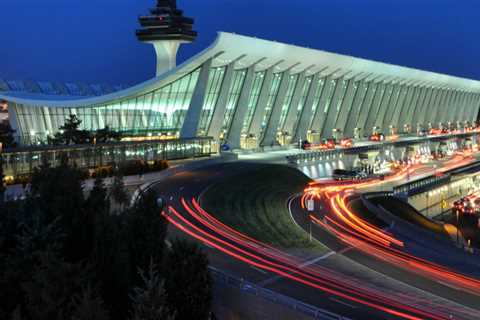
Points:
(239, 246)
(351, 229)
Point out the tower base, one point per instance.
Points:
(166, 54)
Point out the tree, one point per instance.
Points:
(148, 230)
(106, 134)
(189, 283)
(2, 182)
(70, 132)
(98, 198)
(54, 282)
(118, 191)
(150, 299)
(6, 135)
(88, 305)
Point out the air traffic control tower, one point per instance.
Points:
(166, 29)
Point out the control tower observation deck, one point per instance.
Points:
(166, 29)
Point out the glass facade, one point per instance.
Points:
(272, 96)
(233, 95)
(292, 84)
(23, 161)
(215, 80)
(253, 99)
(161, 111)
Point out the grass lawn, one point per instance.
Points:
(255, 203)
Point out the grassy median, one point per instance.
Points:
(255, 202)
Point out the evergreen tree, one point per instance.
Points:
(2, 182)
(54, 282)
(189, 284)
(71, 133)
(88, 306)
(118, 191)
(98, 197)
(6, 135)
(150, 300)
(148, 230)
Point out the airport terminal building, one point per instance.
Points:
(248, 92)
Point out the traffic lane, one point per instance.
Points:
(179, 181)
(400, 274)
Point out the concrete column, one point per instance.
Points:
(221, 105)
(366, 106)
(235, 131)
(292, 109)
(465, 106)
(426, 106)
(431, 116)
(404, 108)
(415, 108)
(333, 108)
(383, 107)
(454, 106)
(419, 109)
(322, 104)
(397, 107)
(439, 107)
(257, 118)
(374, 109)
(270, 134)
(354, 114)
(387, 119)
(445, 116)
(192, 118)
(346, 108)
(306, 114)
(473, 112)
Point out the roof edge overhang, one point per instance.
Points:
(246, 51)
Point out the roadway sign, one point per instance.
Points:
(310, 205)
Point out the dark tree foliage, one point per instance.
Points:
(54, 283)
(64, 256)
(88, 305)
(148, 230)
(70, 132)
(189, 283)
(106, 134)
(118, 191)
(150, 299)
(58, 194)
(2, 182)
(7, 138)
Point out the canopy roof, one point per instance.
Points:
(247, 51)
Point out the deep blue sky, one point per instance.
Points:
(94, 40)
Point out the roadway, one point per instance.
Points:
(356, 291)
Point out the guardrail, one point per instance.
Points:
(222, 278)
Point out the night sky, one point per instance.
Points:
(94, 40)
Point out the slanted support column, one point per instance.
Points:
(354, 114)
(425, 107)
(441, 107)
(255, 125)
(465, 104)
(221, 105)
(366, 105)
(398, 106)
(446, 107)
(346, 107)
(374, 109)
(323, 102)
(438, 108)
(384, 103)
(293, 109)
(270, 134)
(390, 106)
(306, 114)
(234, 134)
(402, 120)
(192, 118)
(415, 108)
(334, 108)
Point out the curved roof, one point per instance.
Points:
(247, 51)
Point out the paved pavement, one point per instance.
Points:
(350, 264)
